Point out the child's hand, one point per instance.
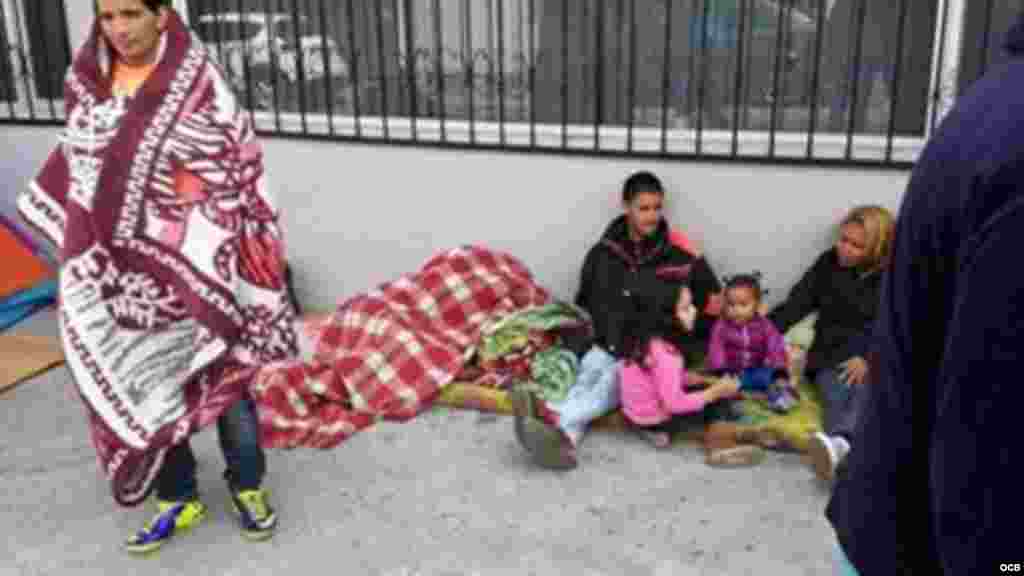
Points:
(686, 313)
(726, 387)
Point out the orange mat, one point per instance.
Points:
(22, 268)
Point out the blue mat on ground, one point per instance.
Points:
(21, 305)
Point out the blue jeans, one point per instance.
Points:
(842, 563)
(757, 379)
(594, 394)
(839, 403)
(238, 431)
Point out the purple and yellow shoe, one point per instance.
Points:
(171, 518)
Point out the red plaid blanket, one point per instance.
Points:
(386, 354)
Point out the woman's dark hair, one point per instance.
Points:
(750, 281)
(639, 183)
(153, 5)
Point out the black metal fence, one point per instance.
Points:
(805, 81)
(34, 54)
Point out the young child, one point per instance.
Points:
(747, 346)
(654, 383)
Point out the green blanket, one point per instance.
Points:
(792, 429)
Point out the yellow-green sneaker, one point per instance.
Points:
(255, 516)
(171, 518)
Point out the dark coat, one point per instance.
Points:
(932, 485)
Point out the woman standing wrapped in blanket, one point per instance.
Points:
(632, 266)
(843, 287)
(172, 286)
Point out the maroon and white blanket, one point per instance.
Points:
(386, 354)
(171, 283)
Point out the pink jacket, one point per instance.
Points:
(652, 394)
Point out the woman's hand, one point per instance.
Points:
(853, 371)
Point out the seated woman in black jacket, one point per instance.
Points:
(843, 287)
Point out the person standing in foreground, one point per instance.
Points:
(929, 486)
(172, 287)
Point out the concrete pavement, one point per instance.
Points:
(447, 494)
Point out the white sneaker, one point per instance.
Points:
(825, 452)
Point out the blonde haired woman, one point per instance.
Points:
(843, 287)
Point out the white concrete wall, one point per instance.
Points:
(356, 216)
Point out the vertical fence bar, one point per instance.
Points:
(787, 49)
(937, 93)
(273, 72)
(776, 72)
(65, 43)
(488, 54)
(470, 69)
(300, 65)
(439, 69)
(47, 72)
(327, 54)
(737, 89)
(633, 74)
(666, 75)
(353, 66)
(581, 97)
(410, 67)
(852, 104)
(382, 78)
(691, 72)
(218, 38)
(7, 66)
(986, 32)
(501, 71)
(247, 71)
(812, 127)
(533, 73)
(897, 77)
(703, 75)
(25, 56)
(565, 75)
(748, 68)
(620, 17)
(396, 57)
(599, 78)
(523, 70)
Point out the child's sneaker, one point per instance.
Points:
(825, 453)
(171, 518)
(256, 518)
(781, 399)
